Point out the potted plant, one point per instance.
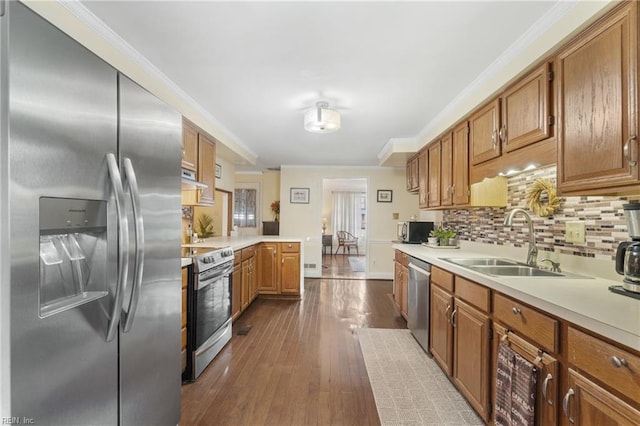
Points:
(204, 226)
(444, 235)
(275, 209)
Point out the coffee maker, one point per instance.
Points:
(628, 254)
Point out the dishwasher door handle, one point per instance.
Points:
(419, 269)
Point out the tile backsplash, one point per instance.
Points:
(604, 221)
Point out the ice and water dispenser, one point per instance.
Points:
(73, 253)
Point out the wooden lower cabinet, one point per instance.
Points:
(290, 273)
(548, 384)
(586, 403)
(268, 268)
(471, 330)
(440, 329)
(397, 286)
(236, 287)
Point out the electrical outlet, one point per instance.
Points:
(575, 232)
(395, 216)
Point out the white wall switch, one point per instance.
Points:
(575, 232)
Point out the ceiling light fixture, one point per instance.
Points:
(321, 119)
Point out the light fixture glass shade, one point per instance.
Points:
(322, 119)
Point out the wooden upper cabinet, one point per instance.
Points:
(434, 174)
(189, 146)
(483, 137)
(597, 105)
(446, 170)
(460, 165)
(423, 179)
(412, 174)
(206, 168)
(525, 110)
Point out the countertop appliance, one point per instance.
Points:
(418, 301)
(90, 206)
(414, 232)
(208, 309)
(628, 253)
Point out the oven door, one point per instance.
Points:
(212, 302)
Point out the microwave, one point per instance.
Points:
(414, 232)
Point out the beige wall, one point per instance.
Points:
(305, 220)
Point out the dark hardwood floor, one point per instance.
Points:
(301, 362)
(338, 266)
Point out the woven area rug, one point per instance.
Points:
(408, 386)
(357, 264)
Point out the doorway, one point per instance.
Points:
(344, 212)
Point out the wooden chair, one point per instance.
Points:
(346, 240)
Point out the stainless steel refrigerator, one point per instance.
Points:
(90, 202)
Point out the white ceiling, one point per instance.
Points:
(256, 67)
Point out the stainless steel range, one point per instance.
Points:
(208, 309)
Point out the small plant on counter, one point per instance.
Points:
(205, 226)
(275, 209)
(444, 234)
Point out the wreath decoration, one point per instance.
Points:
(534, 195)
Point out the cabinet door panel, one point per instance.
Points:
(434, 174)
(483, 136)
(206, 168)
(236, 292)
(423, 179)
(460, 165)
(290, 273)
(446, 170)
(597, 106)
(592, 405)
(471, 356)
(268, 268)
(440, 329)
(404, 292)
(525, 111)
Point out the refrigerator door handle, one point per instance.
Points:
(131, 181)
(123, 245)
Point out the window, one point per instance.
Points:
(244, 208)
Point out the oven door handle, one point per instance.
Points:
(202, 283)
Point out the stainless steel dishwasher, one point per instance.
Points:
(418, 299)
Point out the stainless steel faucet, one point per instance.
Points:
(532, 254)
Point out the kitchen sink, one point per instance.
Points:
(480, 261)
(501, 267)
(515, 271)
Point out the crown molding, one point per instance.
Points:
(86, 17)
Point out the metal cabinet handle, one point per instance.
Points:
(453, 189)
(618, 362)
(446, 313)
(123, 246)
(503, 134)
(494, 138)
(545, 386)
(453, 318)
(565, 405)
(627, 151)
(132, 183)
(516, 310)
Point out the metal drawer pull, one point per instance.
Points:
(627, 152)
(453, 318)
(545, 386)
(516, 310)
(618, 362)
(565, 405)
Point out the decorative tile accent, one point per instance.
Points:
(408, 386)
(604, 220)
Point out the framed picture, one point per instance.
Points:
(299, 196)
(385, 195)
(218, 171)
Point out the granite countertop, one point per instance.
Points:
(586, 302)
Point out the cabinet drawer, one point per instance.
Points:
(248, 252)
(290, 247)
(398, 256)
(442, 278)
(599, 359)
(402, 258)
(477, 295)
(237, 257)
(532, 324)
